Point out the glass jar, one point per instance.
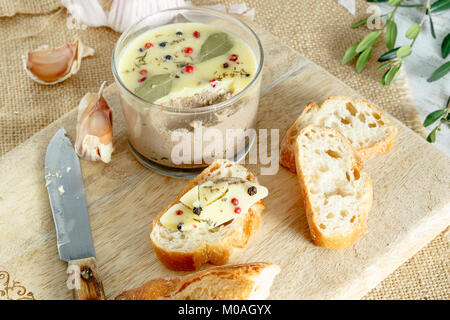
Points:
(152, 130)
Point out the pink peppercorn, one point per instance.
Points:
(233, 57)
(189, 69)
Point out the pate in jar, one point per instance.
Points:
(189, 82)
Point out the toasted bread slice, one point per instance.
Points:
(369, 131)
(190, 249)
(337, 195)
(250, 281)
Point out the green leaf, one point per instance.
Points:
(359, 23)
(439, 72)
(433, 117)
(413, 31)
(432, 136)
(368, 41)
(390, 75)
(155, 87)
(363, 58)
(394, 3)
(440, 5)
(445, 48)
(350, 54)
(404, 51)
(433, 33)
(384, 65)
(215, 45)
(391, 54)
(411, 5)
(391, 34)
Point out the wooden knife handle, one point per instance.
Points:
(90, 284)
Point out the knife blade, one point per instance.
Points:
(65, 188)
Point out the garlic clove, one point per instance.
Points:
(94, 128)
(51, 66)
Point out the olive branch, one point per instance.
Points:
(393, 59)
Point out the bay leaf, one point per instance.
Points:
(155, 87)
(215, 45)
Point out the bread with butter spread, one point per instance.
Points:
(217, 212)
(336, 193)
(250, 281)
(367, 129)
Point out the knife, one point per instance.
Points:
(73, 231)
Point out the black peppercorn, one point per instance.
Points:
(179, 225)
(179, 34)
(225, 65)
(197, 210)
(252, 190)
(168, 57)
(163, 44)
(141, 49)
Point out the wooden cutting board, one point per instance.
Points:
(411, 206)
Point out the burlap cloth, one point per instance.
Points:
(320, 30)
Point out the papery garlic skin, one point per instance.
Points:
(50, 66)
(121, 14)
(94, 128)
(116, 14)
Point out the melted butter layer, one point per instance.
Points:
(212, 204)
(146, 56)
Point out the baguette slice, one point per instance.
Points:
(190, 249)
(369, 131)
(233, 282)
(337, 195)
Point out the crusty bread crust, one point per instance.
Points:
(217, 253)
(360, 227)
(287, 146)
(287, 149)
(232, 282)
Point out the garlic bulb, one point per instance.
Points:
(51, 66)
(120, 14)
(94, 128)
(116, 14)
